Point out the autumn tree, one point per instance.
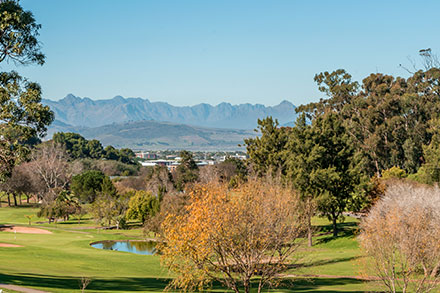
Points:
(402, 235)
(233, 236)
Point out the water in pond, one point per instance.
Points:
(139, 247)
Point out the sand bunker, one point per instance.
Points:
(9, 245)
(26, 230)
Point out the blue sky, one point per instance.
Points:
(190, 52)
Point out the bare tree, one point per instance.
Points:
(402, 235)
(50, 169)
(428, 60)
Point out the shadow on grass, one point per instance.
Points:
(345, 230)
(315, 284)
(47, 282)
(21, 206)
(322, 262)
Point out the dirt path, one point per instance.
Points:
(20, 289)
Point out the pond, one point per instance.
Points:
(133, 246)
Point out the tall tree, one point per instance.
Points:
(186, 172)
(18, 34)
(23, 118)
(302, 154)
(321, 165)
(265, 152)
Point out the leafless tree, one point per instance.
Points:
(428, 60)
(402, 235)
(50, 169)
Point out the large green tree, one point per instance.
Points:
(88, 185)
(322, 166)
(386, 117)
(18, 34)
(23, 119)
(265, 152)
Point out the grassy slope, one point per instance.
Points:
(56, 262)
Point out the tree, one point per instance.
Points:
(265, 152)
(302, 157)
(108, 209)
(18, 34)
(107, 187)
(431, 170)
(322, 166)
(49, 169)
(186, 172)
(142, 206)
(20, 182)
(386, 117)
(63, 207)
(401, 234)
(232, 235)
(87, 185)
(23, 118)
(158, 180)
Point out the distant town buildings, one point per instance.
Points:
(171, 160)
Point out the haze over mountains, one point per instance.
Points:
(141, 124)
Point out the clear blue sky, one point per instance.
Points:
(189, 52)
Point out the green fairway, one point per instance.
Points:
(56, 262)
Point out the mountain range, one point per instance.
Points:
(86, 112)
(140, 124)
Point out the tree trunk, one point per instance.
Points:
(15, 199)
(9, 199)
(335, 227)
(247, 286)
(309, 230)
(19, 198)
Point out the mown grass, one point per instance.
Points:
(56, 262)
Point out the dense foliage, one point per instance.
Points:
(78, 147)
(18, 34)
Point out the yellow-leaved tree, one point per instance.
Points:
(233, 235)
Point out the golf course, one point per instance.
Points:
(57, 261)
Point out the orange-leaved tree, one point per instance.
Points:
(233, 235)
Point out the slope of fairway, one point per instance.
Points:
(56, 262)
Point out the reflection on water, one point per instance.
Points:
(139, 247)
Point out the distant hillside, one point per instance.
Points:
(153, 135)
(77, 111)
